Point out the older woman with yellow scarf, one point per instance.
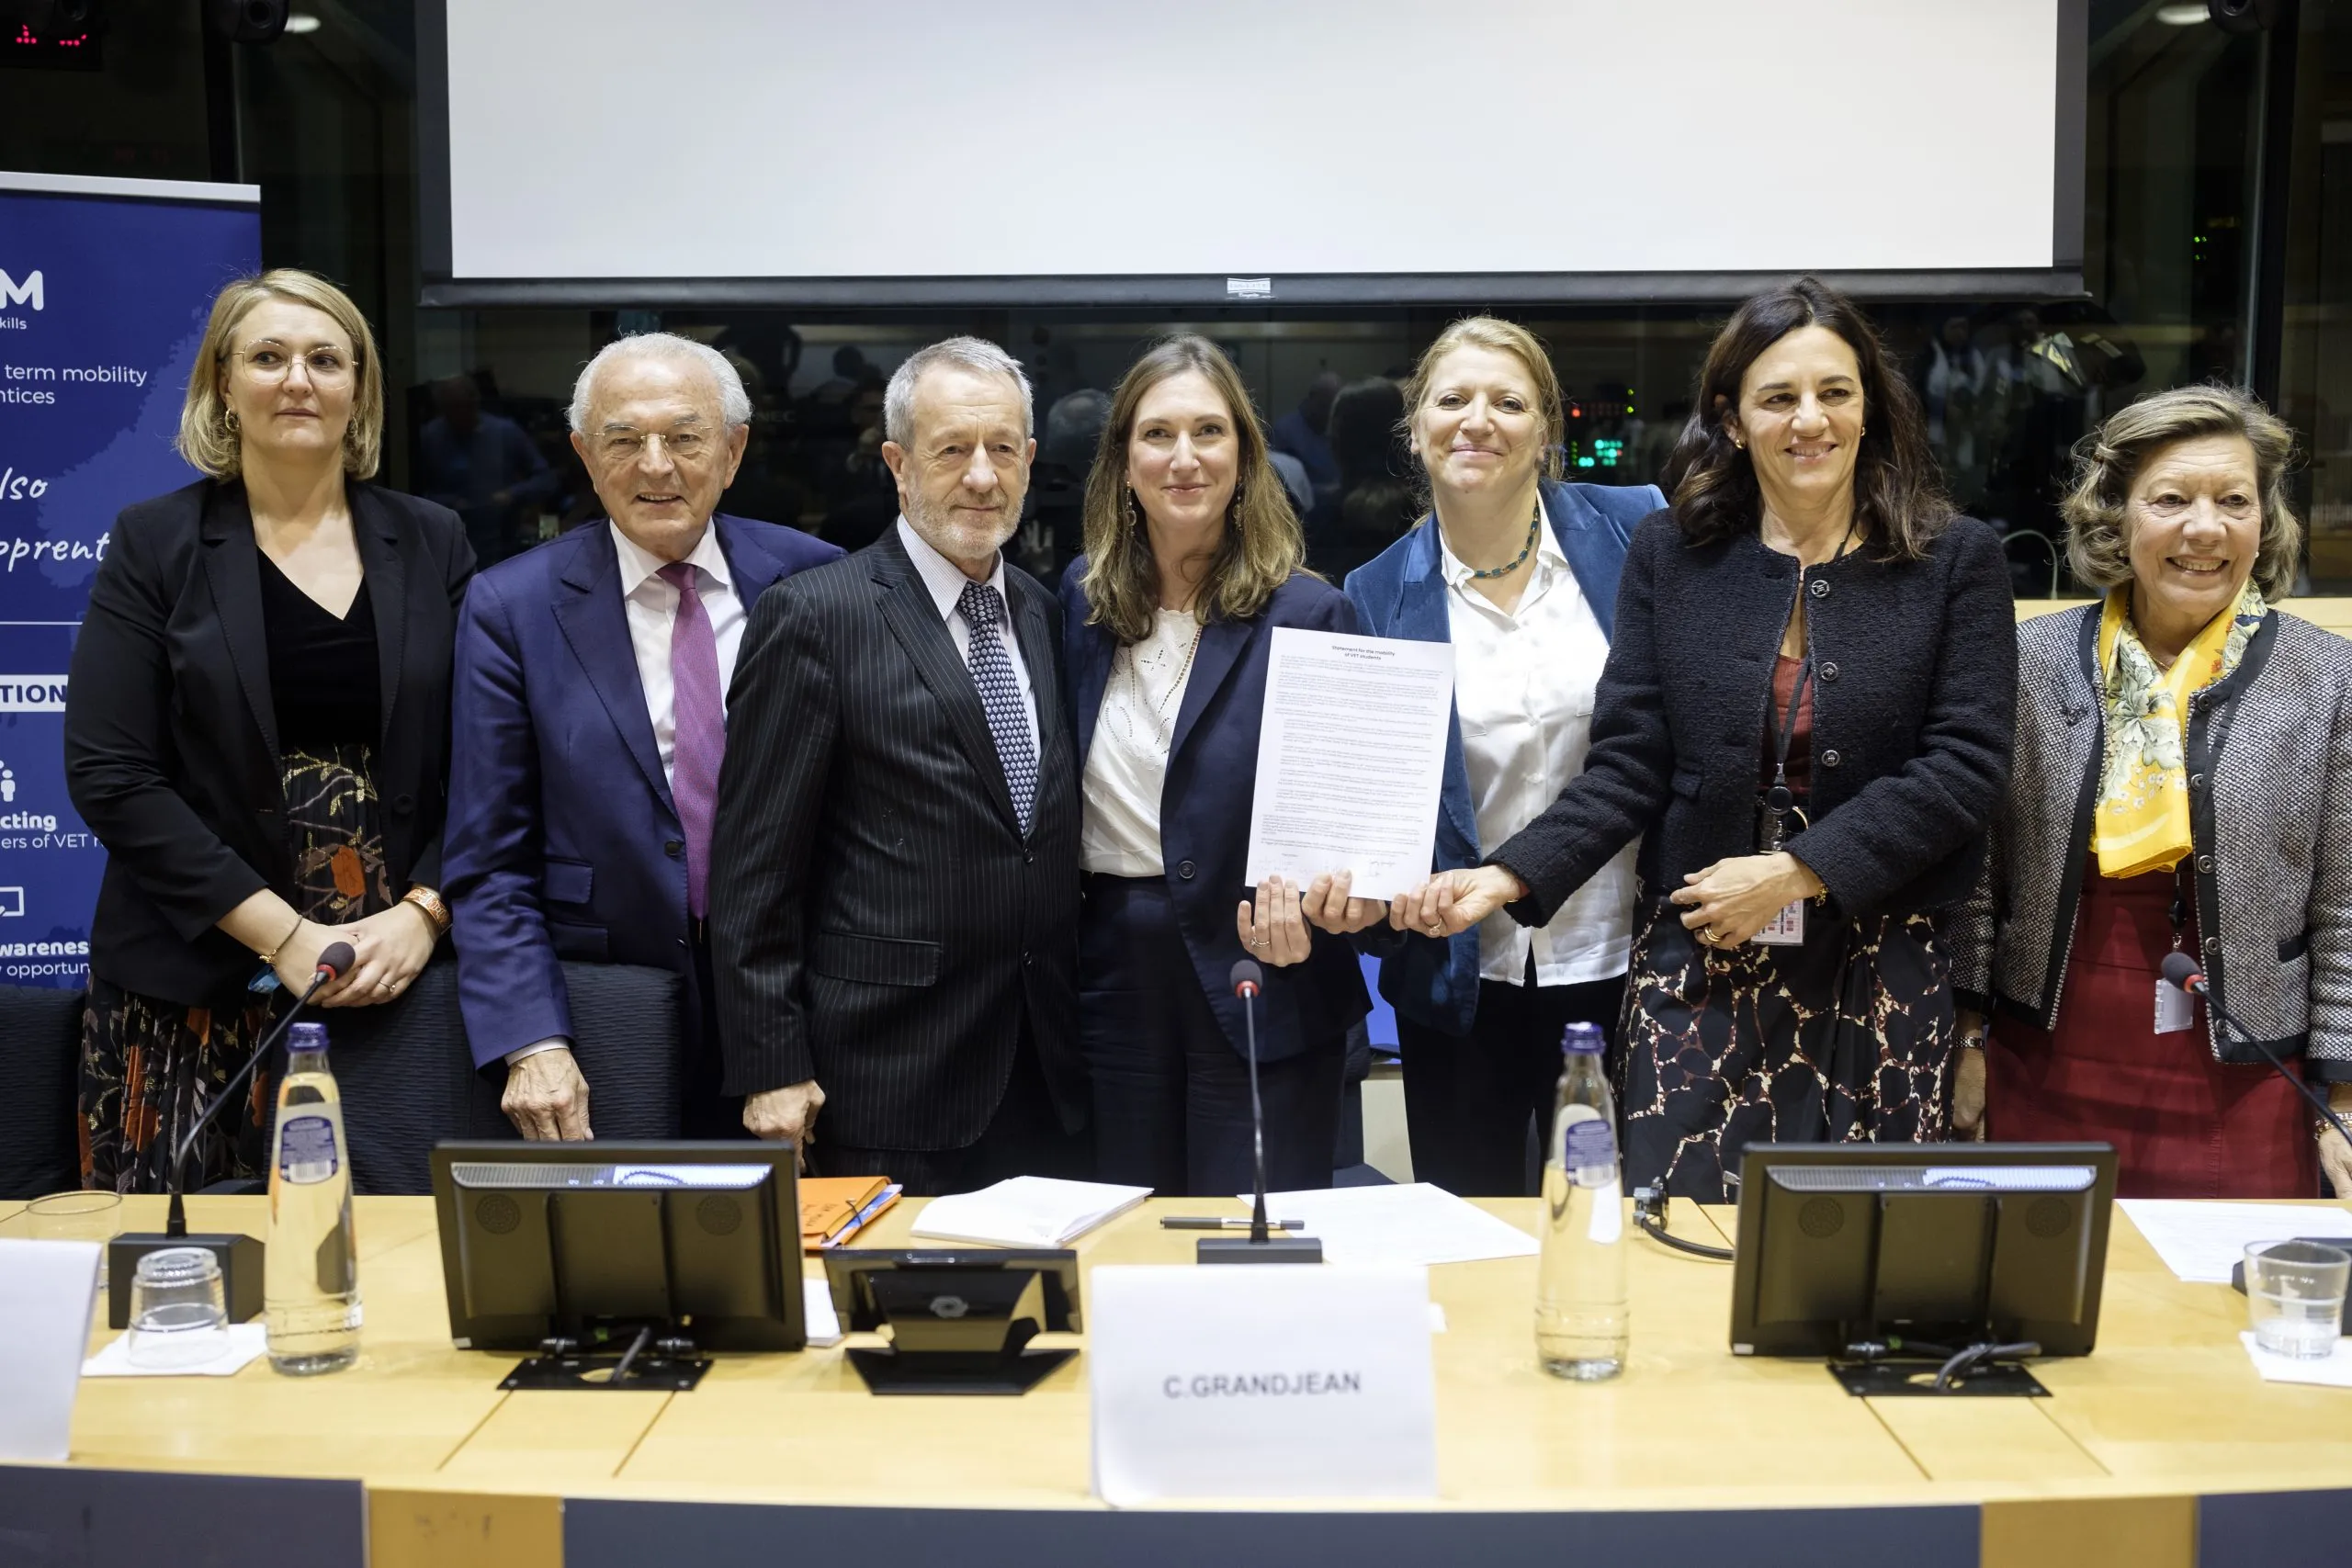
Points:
(2182, 783)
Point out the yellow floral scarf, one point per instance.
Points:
(2141, 823)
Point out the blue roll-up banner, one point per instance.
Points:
(105, 285)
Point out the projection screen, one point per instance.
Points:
(945, 152)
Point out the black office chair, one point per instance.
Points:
(41, 1045)
(408, 1079)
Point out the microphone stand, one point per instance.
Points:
(2186, 976)
(240, 1256)
(1260, 1246)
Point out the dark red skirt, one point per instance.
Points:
(2182, 1125)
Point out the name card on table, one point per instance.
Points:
(1262, 1383)
(47, 1292)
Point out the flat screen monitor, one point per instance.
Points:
(590, 1242)
(1954, 1244)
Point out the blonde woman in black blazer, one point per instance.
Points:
(256, 729)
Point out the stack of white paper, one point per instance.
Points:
(47, 1291)
(823, 1324)
(1026, 1210)
(1367, 1227)
(2201, 1242)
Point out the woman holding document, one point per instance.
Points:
(1518, 572)
(1193, 557)
(1805, 716)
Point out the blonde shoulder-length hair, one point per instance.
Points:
(1263, 545)
(206, 438)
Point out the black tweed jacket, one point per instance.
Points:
(1914, 698)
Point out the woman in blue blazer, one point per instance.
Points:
(1194, 556)
(1519, 571)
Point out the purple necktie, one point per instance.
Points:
(701, 713)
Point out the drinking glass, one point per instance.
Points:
(178, 1316)
(2294, 1295)
(77, 1216)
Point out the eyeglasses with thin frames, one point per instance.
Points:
(622, 446)
(270, 364)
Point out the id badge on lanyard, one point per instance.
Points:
(1775, 807)
(2175, 1008)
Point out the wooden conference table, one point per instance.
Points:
(2163, 1449)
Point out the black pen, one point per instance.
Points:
(1209, 1222)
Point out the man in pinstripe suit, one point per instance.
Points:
(894, 893)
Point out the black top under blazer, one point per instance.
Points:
(880, 922)
(172, 752)
(1915, 694)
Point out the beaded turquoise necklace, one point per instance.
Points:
(1534, 529)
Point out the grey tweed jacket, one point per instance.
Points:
(2269, 762)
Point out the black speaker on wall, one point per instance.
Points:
(2244, 16)
(247, 21)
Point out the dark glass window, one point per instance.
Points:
(326, 124)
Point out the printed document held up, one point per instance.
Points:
(1350, 757)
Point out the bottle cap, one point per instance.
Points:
(306, 1037)
(1582, 1039)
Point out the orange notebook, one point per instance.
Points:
(830, 1206)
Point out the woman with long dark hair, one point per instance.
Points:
(1805, 715)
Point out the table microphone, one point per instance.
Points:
(238, 1255)
(2181, 971)
(1259, 1246)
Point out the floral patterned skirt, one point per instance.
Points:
(1847, 1039)
(149, 1067)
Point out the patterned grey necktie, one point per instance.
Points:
(983, 611)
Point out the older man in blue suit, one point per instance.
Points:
(590, 720)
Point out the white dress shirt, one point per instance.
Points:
(1126, 765)
(652, 608)
(651, 605)
(1523, 684)
(946, 580)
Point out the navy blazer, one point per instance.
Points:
(563, 841)
(1204, 809)
(1401, 592)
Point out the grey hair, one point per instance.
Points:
(2097, 504)
(976, 355)
(734, 403)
